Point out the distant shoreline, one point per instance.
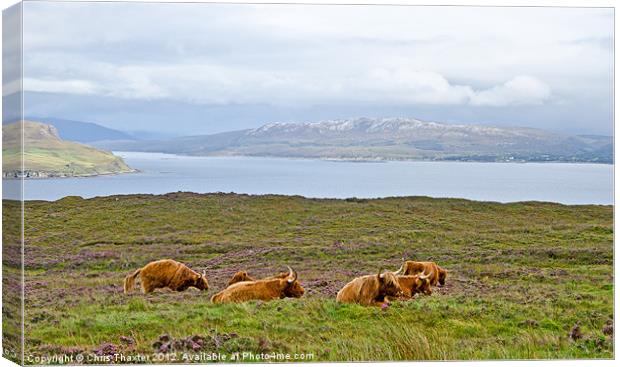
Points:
(43, 177)
(361, 160)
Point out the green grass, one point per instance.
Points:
(521, 275)
(45, 153)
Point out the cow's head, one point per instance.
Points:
(443, 274)
(388, 284)
(292, 287)
(423, 284)
(240, 276)
(201, 281)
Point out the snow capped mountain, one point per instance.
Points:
(394, 138)
(395, 125)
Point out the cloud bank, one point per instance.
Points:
(299, 56)
(216, 84)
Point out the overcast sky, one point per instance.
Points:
(201, 68)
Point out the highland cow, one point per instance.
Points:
(437, 273)
(413, 284)
(166, 274)
(243, 276)
(267, 289)
(370, 289)
(240, 276)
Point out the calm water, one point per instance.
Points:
(504, 182)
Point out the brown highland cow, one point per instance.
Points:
(243, 276)
(413, 284)
(240, 276)
(263, 289)
(370, 289)
(166, 274)
(437, 273)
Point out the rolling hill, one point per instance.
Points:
(386, 139)
(47, 155)
(83, 132)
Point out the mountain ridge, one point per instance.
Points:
(394, 138)
(82, 131)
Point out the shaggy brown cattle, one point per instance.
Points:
(413, 284)
(437, 273)
(243, 276)
(370, 289)
(166, 274)
(240, 276)
(263, 289)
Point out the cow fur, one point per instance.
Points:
(370, 289)
(166, 274)
(243, 276)
(413, 284)
(438, 274)
(240, 276)
(267, 289)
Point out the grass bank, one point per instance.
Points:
(521, 277)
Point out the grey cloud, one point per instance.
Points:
(605, 42)
(296, 57)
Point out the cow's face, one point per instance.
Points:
(443, 274)
(388, 284)
(294, 290)
(201, 282)
(423, 286)
(408, 285)
(240, 276)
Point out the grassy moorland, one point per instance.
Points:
(521, 277)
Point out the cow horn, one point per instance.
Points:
(397, 272)
(424, 275)
(291, 273)
(204, 274)
(380, 276)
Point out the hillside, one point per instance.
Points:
(388, 139)
(521, 276)
(83, 132)
(47, 155)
